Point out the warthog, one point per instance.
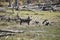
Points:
(46, 22)
(13, 18)
(25, 20)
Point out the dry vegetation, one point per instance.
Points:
(34, 31)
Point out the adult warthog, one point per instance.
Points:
(27, 20)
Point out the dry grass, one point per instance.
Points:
(51, 32)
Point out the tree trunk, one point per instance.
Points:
(10, 1)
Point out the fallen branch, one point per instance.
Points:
(6, 34)
(12, 31)
(9, 32)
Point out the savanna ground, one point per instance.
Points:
(34, 31)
